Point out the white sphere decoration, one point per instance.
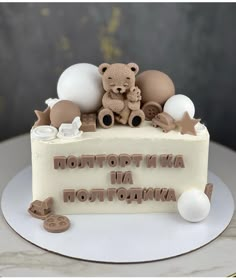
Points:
(82, 84)
(194, 205)
(177, 105)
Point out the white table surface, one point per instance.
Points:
(20, 258)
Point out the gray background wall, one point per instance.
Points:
(193, 43)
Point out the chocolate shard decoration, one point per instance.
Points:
(208, 190)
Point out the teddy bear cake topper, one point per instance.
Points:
(122, 99)
(113, 93)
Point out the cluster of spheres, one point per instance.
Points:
(82, 84)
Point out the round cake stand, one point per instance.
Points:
(117, 238)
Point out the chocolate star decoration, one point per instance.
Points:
(43, 117)
(187, 124)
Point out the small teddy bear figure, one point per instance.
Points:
(122, 99)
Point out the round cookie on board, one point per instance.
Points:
(56, 223)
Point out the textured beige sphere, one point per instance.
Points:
(64, 111)
(155, 86)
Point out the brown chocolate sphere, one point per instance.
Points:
(155, 86)
(64, 111)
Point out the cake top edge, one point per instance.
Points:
(146, 131)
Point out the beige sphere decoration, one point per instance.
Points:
(64, 111)
(155, 86)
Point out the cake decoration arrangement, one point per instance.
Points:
(115, 141)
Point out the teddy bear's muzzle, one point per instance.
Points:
(119, 89)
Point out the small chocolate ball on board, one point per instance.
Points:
(155, 86)
(56, 223)
(64, 111)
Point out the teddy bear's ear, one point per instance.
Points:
(103, 68)
(134, 67)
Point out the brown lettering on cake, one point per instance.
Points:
(151, 161)
(127, 178)
(116, 177)
(137, 158)
(171, 195)
(97, 194)
(72, 162)
(119, 177)
(122, 160)
(208, 190)
(160, 194)
(125, 160)
(69, 195)
(111, 193)
(82, 195)
(121, 194)
(134, 194)
(112, 160)
(92, 196)
(59, 162)
(179, 162)
(130, 195)
(148, 194)
(80, 165)
(87, 160)
(101, 194)
(166, 160)
(100, 159)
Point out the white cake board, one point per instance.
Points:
(118, 238)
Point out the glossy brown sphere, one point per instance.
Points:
(155, 86)
(63, 111)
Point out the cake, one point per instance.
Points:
(114, 142)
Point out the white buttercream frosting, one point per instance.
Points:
(117, 140)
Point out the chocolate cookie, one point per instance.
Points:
(56, 223)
